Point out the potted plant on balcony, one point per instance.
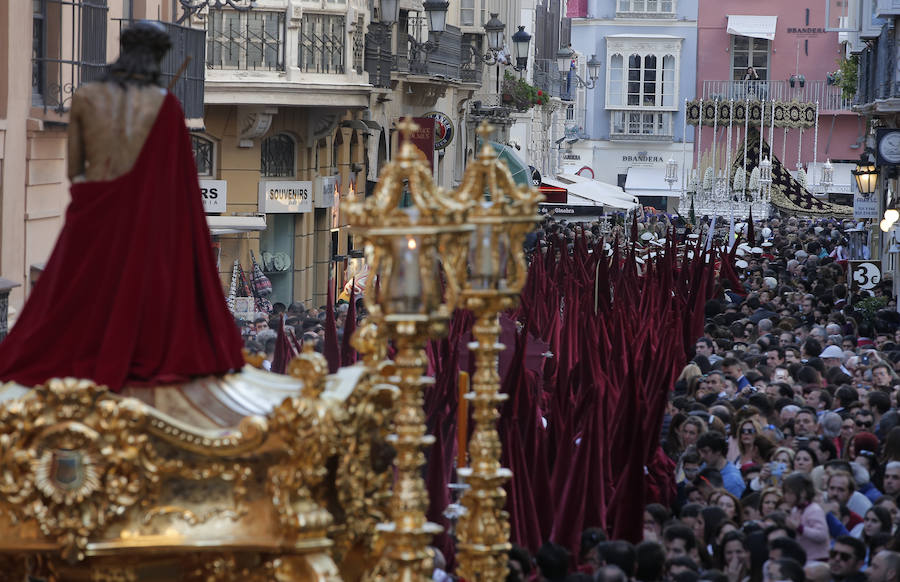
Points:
(520, 94)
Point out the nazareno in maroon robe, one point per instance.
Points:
(130, 294)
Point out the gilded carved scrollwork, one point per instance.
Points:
(73, 461)
(309, 431)
(94, 476)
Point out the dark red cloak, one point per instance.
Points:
(130, 294)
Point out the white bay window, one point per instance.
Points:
(661, 7)
(642, 85)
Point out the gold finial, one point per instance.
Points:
(484, 131)
(407, 126)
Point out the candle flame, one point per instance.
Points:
(352, 190)
(411, 243)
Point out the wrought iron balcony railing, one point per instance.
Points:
(875, 72)
(68, 49)
(828, 96)
(251, 40)
(378, 59)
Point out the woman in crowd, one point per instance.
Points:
(806, 516)
(877, 521)
(805, 460)
(744, 434)
(730, 504)
(734, 557)
(770, 500)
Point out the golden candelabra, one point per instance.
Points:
(504, 215)
(409, 249)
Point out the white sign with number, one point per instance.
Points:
(215, 195)
(864, 275)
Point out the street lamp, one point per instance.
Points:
(493, 29)
(390, 12)
(565, 59)
(866, 175)
(437, 15)
(521, 41)
(437, 23)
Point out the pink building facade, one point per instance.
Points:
(792, 56)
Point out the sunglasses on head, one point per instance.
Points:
(843, 556)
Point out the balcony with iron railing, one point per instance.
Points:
(68, 50)
(251, 54)
(828, 96)
(548, 79)
(876, 89)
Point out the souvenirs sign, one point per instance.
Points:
(443, 129)
(295, 197)
(215, 195)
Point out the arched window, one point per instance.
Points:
(634, 80)
(278, 157)
(203, 154)
(616, 80)
(668, 81)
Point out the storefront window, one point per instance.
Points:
(276, 247)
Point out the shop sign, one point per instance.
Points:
(805, 30)
(564, 211)
(215, 195)
(443, 129)
(863, 206)
(642, 158)
(423, 138)
(536, 177)
(285, 197)
(864, 275)
(326, 187)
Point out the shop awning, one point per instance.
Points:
(752, 25)
(587, 192)
(649, 182)
(554, 191)
(234, 224)
(521, 173)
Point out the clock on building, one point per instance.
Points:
(888, 147)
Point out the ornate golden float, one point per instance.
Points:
(257, 477)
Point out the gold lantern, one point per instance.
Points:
(503, 214)
(411, 251)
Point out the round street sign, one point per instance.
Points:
(443, 129)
